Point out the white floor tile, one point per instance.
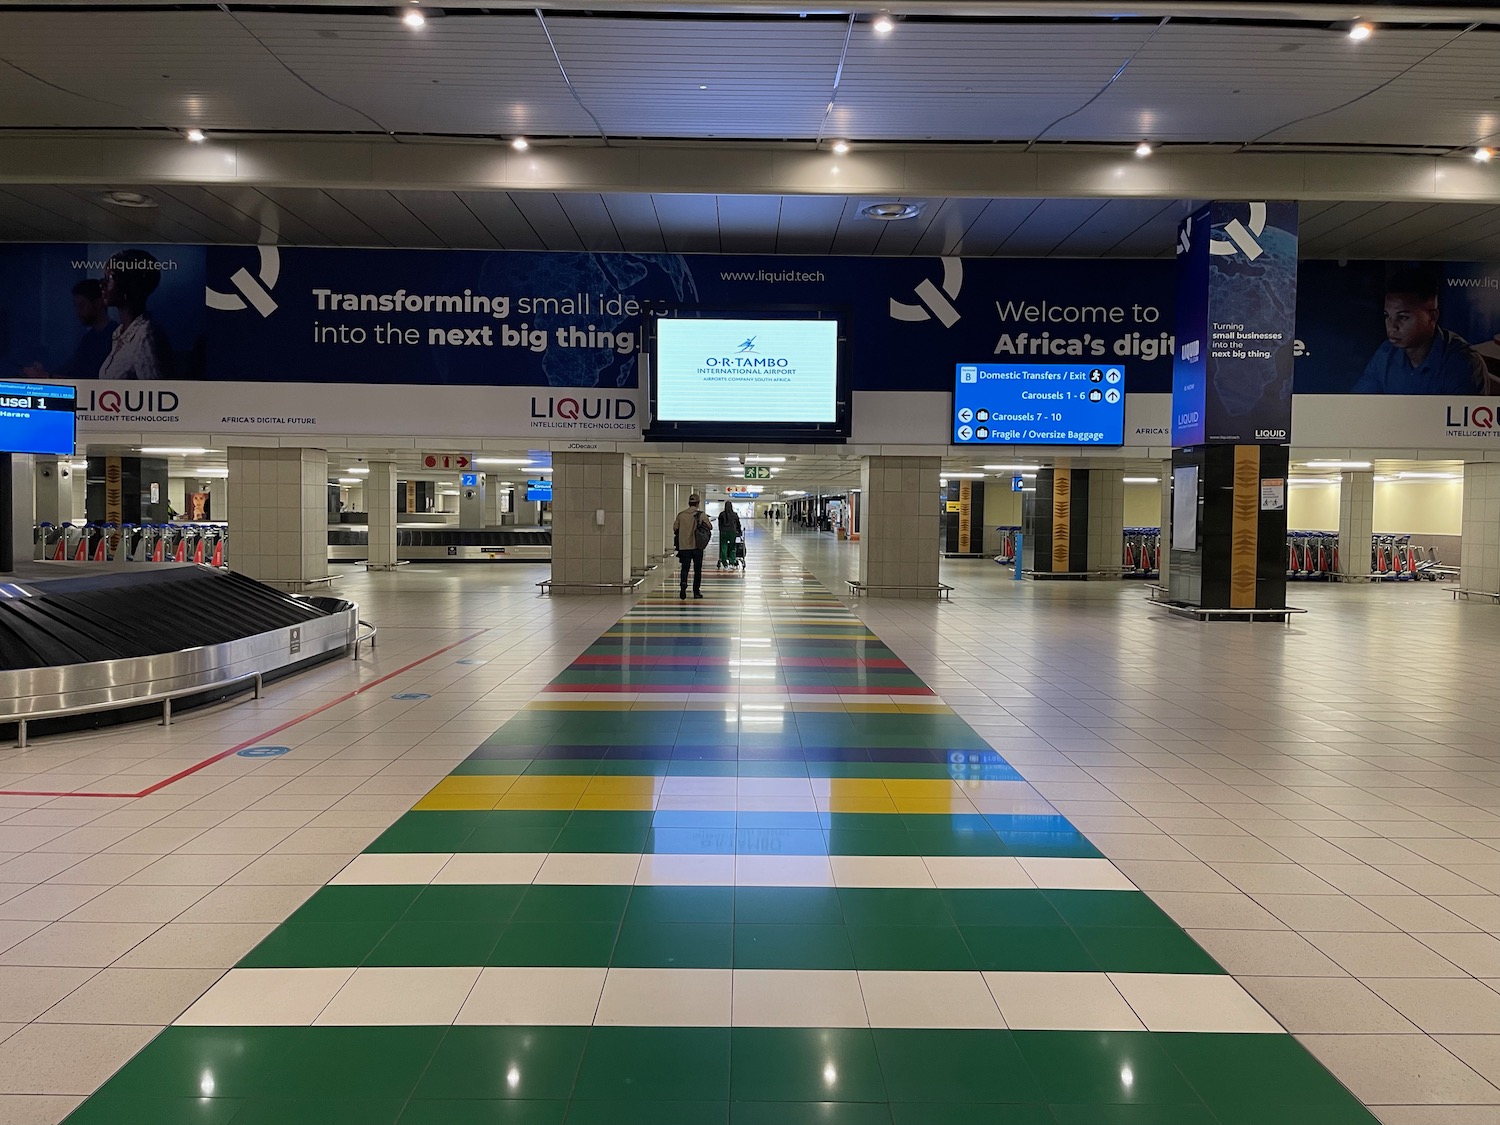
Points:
(982, 872)
(395, 996)
(782, 871)
(523, 995)
(488, 868)
(929, 999)
(594, 868)
(880, 871)
(666, 998)
(1075, 874)
(798, 998)
(379, 868)
(1178, 1002)
(266, 997)
(1061, 1002)
(686, 871)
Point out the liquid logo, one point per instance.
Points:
(251, 291)
(1241, 236)
(933, 303)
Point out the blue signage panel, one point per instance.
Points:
(37, 419)
(1236, 309)
(469, 480)
(1039, 404)
(538, 490)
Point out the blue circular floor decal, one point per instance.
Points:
(411, 695)
(264, 751)
(471, 661)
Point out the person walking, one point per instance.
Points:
(690, 535)
(729, 534)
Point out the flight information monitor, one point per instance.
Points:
(538, 490)
(37, 418)
(1039, 404)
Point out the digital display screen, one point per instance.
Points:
(35, 418)
(538, 490)
(1039, 404)
(746, 370)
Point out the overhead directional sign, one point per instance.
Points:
(757, 472)
(446, 461)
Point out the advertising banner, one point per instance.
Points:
(482, 318)
(1232, 377)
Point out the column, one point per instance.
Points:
(1479, 562)
(640, 550)
(1055, 523)
(658, 515)
(380, 504)
(1239, 561)
(471, 502)
(1106, 521)
(900, 548)
(126, 490)
(20, 480)
(54, 490)
(280, 502)
(1356, 522)
(1164, 548)
(962, 517)
(591, 510)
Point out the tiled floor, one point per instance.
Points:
(737, 861)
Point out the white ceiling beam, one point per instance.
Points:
(1290, 10)
(749, 169)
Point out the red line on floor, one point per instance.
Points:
(348, 695)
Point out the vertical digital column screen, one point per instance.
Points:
(1039, 404)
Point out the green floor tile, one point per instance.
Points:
(525, 1063)
(951, 1113)
(555, 943)
(356, 1062)
(1009, 907)
(805, 1064)
(809, 1113)
(788, 905)
(680, 904)
(909, 947)
(356, 904)
(1031, 949)
(654, 1064)
(1108, 908)
(319, 945)
(482, 1112)
(615, 1112)
(428, 832)
(518, 839)
(436, 943)
(464, 903)
(547, 903)
(238, 1062)
(574, 839)
(919, 1066)
(1233, 1071)
(1141, 949)
(673, 945)
(894, 906)
(320, 1111)
(791, 946)
(957, 843)
(1104, 1068)
(105, 1110)
(1136, 1115)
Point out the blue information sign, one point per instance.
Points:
(37, 418)
(264, 751)
(1039, 404)
(469, 480)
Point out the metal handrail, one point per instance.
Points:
(546, 585)
(360, 638)
(163, 697)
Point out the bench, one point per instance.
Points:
(1202, 613)
(624, 587)
(1493, 595)
(856, 588)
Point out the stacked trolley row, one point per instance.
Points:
(1141, 557)
(151, 542)
(1315, 555)
(1007, 552)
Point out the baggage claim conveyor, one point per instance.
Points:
(84, 645)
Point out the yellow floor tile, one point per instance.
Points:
(929, 788)
(873, 708)
(850, 787)
(457, 802)
(549, 783)
(617, 802)
(925, 805)
(474, 783)
(535, 801)
(630, 786)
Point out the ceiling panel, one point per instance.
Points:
(591, 219)
(807, 223)
(511, 227)
(634, 218)
(449, 217)
(950, 219)
(689, 223)
(747, 223)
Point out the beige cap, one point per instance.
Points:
(695, 498)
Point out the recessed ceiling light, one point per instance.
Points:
(197, 136)
(413, 18)
(1143, 149)
(883, 24)
(128, 199)
(840, 147)
(1361, 31)
(520, 144)
(891, 212)
(703, 87)
(1484, 155)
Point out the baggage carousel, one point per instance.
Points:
(86, 644)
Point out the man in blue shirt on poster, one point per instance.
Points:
(1419, 357)
(93, 346)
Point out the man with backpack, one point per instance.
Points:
(729, 534)
(691, 535)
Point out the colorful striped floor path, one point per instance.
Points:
(736, 864)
